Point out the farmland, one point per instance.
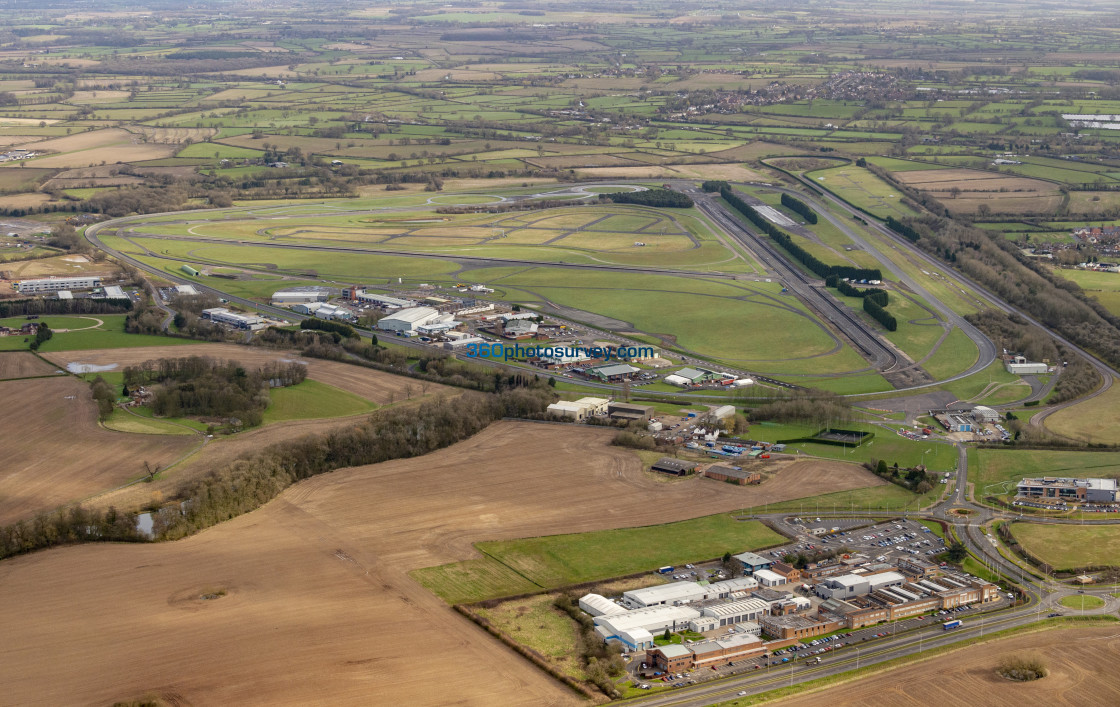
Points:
(1008, 467)
(344, 569)
(1077, 660)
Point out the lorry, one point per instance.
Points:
(955, 623)
(665, 570)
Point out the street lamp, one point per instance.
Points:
(857, 657)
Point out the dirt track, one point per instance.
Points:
(320, 608)
(54, 452)
(1081, 663)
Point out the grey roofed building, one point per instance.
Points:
(677, 467)
(616, 370)
(752, 562)
(732, 472)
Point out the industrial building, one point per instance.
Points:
(64, 294)
(853, 585)
(634, 628)
(382, 301)
(722, 412)
(737, 612)
(674, 467)
(1073, 490)
(629, 411)
(733, 475)
(221, 315)
(462, 343)
(519, 329)
(112, 292)
(983, 413)
(613, 373)
(407, 320)
(187, 290)
(299, 296)
(1020, 366)
(752, 562)
(322, 310)
(769, 578)
(955, 422)
(581, 409)
(598, 605)
(54, 284)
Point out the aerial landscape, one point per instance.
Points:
(559, 353)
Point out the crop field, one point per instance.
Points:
(1078, 661)
(1066, 547)
(18, 364)
(59, 266)
(345, 570)
(58, 414)
(862, 189)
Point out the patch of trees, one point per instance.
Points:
(798, 206)
(810, 261)
(391, 433)
(323, 325)
(105, 397)
(188, 54)
(904, 229)
(916, 480)
(714, 185)
(23, 307)
(42, 336)
(815, 406)
(198, 385)
(666, 198)
(848, 290)
(879, 314)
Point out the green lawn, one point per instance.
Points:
(311, 400)
(110, 335)
(123, 421)
(517, 566)
(1066, 547)
(1009, 466)
(1082, 602)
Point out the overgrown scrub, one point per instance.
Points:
(1023, 668)
(601, 662)
(815, 406)
(395, 433)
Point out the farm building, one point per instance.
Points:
(629, 411)
(1020, 366)
(675, 467)
(411, 318)
(1078, 490)
(613, 372)
(753, 562)
(299, 296)
(54, 284)
(733, 475)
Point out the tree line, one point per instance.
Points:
(905, 229)
(810, 261)
(652, 197)
(798, 206)
(323, 325)
(23, 307)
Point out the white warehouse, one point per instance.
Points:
(640, 623)
(54, 284)
(598, 605)
(738, 612)
(299, 296)
(411, 318)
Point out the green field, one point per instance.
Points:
(1066, 547)
(123, 421)
(862, 189)
(110, 334)
(312, 399)
(1008, 467)
(519, 566)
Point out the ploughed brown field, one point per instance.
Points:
(375, 386)
(1081, 661)
(318, 605)
(55, 452)
(21, 364)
